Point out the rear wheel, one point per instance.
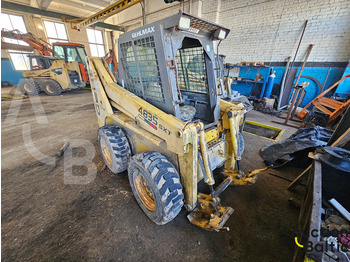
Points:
(30, 87)
(52, 88)
(114, 147)
(156, 186)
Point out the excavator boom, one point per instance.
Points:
(43, 47)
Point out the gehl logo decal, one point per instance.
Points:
(143, 32)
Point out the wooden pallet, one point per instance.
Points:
(250, 63)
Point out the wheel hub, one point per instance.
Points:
(27, 87)
(144, 192)
(50, 89)
(105, 151)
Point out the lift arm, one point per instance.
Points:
(108, 94)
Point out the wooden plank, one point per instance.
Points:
(322, 108)
(315, 220)
(343, 139)
(298, 179)
(330, 103)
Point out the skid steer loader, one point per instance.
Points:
(163, 121)
(50, 75)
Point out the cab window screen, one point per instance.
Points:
(191, 70)
(149, 70)
(132, 79)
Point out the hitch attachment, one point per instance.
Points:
(241, 179)
(209, 214)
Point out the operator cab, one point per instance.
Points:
(69, 52)
(192, 79)
(171, 64)
(39, 62)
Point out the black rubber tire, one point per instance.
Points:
(118, 147)
(52, 87)
(29, 87)
(164, 182)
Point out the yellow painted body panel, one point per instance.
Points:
(63, 79)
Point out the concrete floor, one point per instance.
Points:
(45, 219)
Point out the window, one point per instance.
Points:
(95, 38)
(56, 32)
(192, 70)
(130, 68)
(58, 52)
(142, 78)
(149, 69)
(15, 22)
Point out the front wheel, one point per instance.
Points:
(156, 186)
(52, 88)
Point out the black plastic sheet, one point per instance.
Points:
(303, 141)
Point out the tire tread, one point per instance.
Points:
(120, 146)
(167, 181)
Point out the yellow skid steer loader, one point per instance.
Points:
(163, 121)
(51, 76)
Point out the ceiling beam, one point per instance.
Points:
(97, 4)
(33, 3)
(80, 6)
(45, 4)
(37, 11)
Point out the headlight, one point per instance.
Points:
(184, 23)
(220, 34)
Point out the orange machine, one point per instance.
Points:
(326, 105)
(112, 60)
(43, 47)
(72, 52)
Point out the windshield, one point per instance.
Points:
(82, 54)
(72, 54)
(58, 52)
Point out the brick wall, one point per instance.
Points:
(269, 30)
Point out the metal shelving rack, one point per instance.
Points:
(265, 76)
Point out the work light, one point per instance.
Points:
(220, 34)
(184, 23)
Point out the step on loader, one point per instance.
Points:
(163, 121)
